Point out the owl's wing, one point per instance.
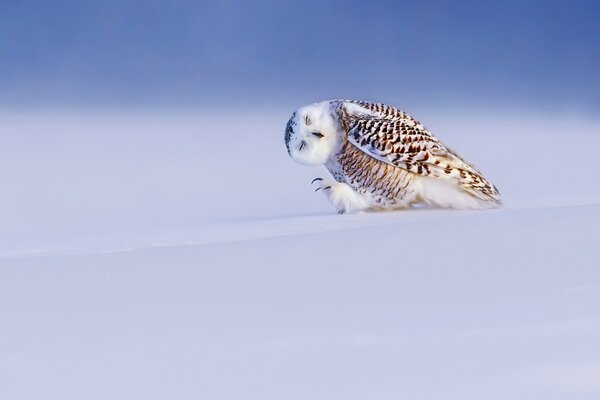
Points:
(395, 138)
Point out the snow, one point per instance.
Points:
(175, 255)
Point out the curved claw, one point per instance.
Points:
(316, 179)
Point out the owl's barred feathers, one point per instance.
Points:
(392, 136)
(386, 156)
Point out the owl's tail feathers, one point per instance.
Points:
(480, 188)
(450, 166)
(467, 193)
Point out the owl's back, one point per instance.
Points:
(388, 155)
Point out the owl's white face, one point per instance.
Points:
(311, 134)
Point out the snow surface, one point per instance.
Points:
(182, 256)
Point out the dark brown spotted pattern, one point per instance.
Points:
(386, 134)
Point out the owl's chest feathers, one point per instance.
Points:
(383, 184)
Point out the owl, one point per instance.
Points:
(381, 158)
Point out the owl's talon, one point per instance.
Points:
(342, 196)
(321, 185)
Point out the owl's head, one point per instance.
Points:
(311, 134)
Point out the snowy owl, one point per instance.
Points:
(382, 158)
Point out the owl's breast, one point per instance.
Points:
(384, 184)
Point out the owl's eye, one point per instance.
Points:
(317, 134)
(307, 120)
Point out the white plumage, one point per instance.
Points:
(382, 158)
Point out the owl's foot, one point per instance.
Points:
(341, 195)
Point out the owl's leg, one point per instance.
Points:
(341, 195)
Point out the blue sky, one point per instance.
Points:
(545, 54)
